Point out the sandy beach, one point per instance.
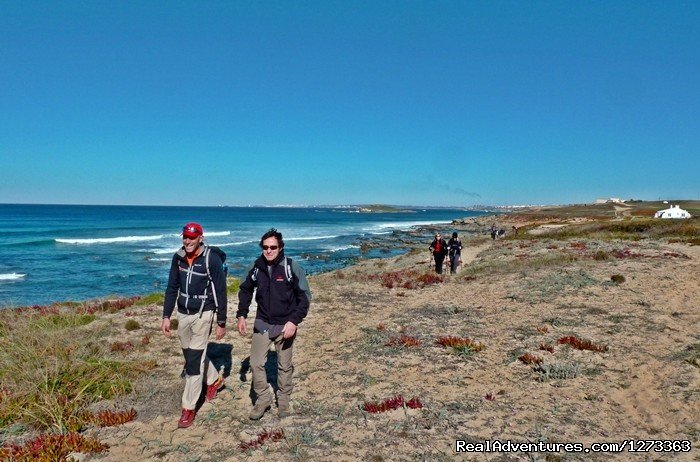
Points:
(372, 334)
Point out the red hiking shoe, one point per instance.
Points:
(187, 418)
(214, 388)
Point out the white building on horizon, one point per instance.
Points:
(610, 200)
(673, 212)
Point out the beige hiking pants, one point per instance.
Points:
(285, 368)
(194, 335)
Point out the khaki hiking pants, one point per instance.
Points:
(285, 368)
(194, 335)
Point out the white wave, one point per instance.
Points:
(309, 238)
(345, 247)
(172, 250)
(11, 276)
(218, 233)
(230, 244)
(159, 259)
(164, 251)
(409, 224)
(111, 240)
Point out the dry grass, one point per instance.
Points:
(52, 369)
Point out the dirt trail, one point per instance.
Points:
(513, 297)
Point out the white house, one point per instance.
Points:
(673, 212)
(611, 200)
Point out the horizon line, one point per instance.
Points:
(346, 205)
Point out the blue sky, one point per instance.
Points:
(346, 102)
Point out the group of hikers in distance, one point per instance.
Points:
(440, 248)
(197, 287)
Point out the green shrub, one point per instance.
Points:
(62, 321)
(617, 278)
(232, 285)
(600, 255)
(174, 323)
(557, 371)
(132, 324)
(156, 298)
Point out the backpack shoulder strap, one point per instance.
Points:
(254, 274)
(207, 251)
(288, 269)
(209, 283)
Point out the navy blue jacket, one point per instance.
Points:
(455, 246)
(187, 286)
(279, 300)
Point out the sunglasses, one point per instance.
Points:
(271, 247)
(189, 229)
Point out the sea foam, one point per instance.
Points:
(11, 276)
(409, 224)
(309, 238)
(344, 247)
(111, 240)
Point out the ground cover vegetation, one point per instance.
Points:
(587, 334)
(55, 365)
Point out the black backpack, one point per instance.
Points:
(222, 256)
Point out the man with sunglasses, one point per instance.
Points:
(282, 295)
(197, 284)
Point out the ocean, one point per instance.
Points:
(56, 253)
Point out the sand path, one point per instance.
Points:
(512, 297)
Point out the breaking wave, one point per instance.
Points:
(111, 240)
(11, 276)
(309, 238)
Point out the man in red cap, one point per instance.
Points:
(197, 284)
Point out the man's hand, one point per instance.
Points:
(289, 329)
(220, 332)
(165, 327)
(241, 326)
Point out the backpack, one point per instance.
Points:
(289, 275)
(287, 271)
(222, 256)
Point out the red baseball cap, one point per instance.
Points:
(192, 230)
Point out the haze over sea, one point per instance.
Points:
(76, 252)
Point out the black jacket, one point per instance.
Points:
(443, 247)
(187, 286)
(279, 300)
(455, 246)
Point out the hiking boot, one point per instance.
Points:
(187, 418)
(214, 388)
(283, 410)
(261, 405)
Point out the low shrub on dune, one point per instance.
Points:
(51, 370)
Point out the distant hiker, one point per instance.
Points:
(439, 249)
(283, 297)
(494, 231)
(197, 283)
(455, 252)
